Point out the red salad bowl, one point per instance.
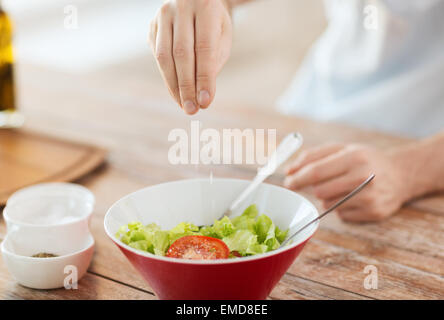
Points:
(201, 201)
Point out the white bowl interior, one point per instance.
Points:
(29, 242)
(48, 209)
(61, 189)
(201, 201)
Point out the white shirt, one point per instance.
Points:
(379, 65)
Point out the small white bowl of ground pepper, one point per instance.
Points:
(41, 262)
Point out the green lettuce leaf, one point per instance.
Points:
(281, 235)
(247, 220)
(161, 242)
(140, 245)
(148, 238)
(264, 228)
(208, 231)
(181, 230)
(223, 227)
(244, 242)
(251, 212)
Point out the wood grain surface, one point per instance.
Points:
(27, 158)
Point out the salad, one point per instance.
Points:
(245, 235)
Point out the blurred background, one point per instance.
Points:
(270, 41)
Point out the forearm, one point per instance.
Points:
(422, 164)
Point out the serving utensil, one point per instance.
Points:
(288, 146)
(333, 207)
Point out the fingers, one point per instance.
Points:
(191, 41)
(163, 46)
(360, 208)
(225, 43)
(315, 172)
(355, 215)
(351, 211)
(184, 58)
(365, 198)
(359, 215)
(349, 205)
(313, 154)
(208, 34)
(337, 187)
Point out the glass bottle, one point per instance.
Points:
(9, 117)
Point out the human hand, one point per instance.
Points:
(191, 41)
(332, 171)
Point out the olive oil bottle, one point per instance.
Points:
(9, 117)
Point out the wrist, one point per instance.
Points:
(412, 164)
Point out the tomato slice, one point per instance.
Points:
(198, 248)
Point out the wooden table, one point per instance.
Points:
(131, 117)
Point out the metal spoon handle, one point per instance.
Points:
(333, 207)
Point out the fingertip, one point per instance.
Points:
(318, 193)
(290, 170)
(204, 99)
(295, 181)
(350, 216)
(190, 107)
(288, 182)
(343, 215)
(295, 166)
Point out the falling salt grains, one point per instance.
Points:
(213, 202)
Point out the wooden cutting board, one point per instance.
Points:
(27, 158)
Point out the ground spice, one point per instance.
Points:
(44, 255)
